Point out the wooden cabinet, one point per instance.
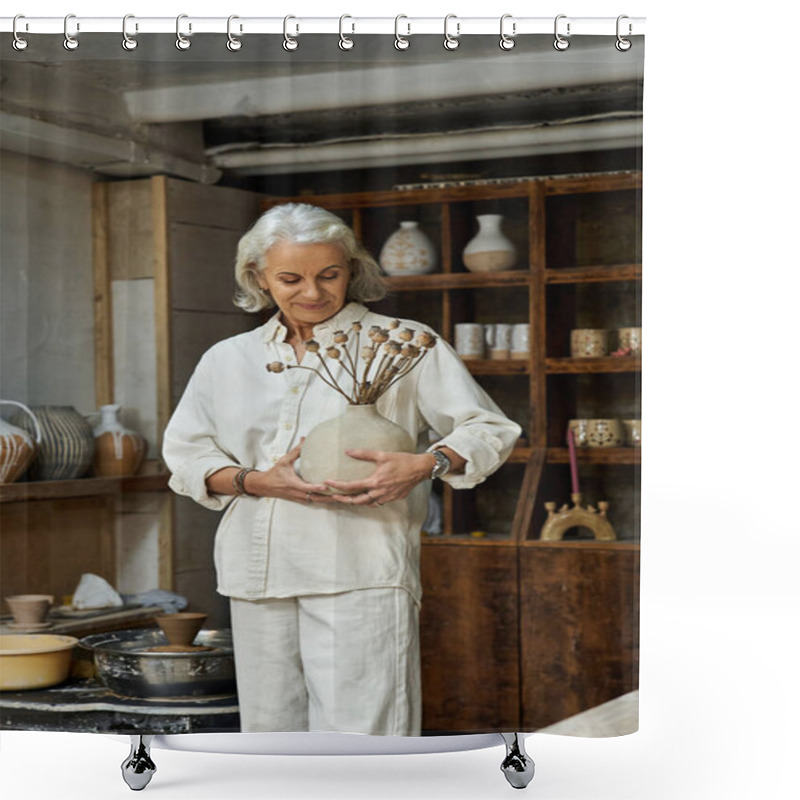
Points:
(517, 632)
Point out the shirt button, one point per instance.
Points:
(295, 390)
(288, 426)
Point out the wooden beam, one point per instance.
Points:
(103, 312)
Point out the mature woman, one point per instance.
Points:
(323, 579)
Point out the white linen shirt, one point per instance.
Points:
(234, 412)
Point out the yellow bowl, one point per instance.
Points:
(34, 661)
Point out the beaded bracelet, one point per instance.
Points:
(238, 482)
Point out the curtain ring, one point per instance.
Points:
(70, 42)
(450, 41)
(345, 43)
(182, 43)
(560, 42)
(400, 42)
(128, 42)
(623, 44)
(289, 43)
(233, 44)
(506, 41)
(19, 43)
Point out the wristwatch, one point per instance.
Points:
(442, 466)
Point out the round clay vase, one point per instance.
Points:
(323, 455)
(180, 629)
(17, 446)
(118, 450)
(408, 251)
(489, 250)
(67, 445)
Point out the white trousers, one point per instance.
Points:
(345, 662)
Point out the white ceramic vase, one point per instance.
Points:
(490, 250)
(118, 450)
(323, 455)
(17, 446)
(408, 251)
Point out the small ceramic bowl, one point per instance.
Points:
(588, 343)
(34, 661)
(580, 431)
(605, 433)
(632, 338)
(29, 610)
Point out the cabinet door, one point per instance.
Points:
(469, 638)
(579, 628)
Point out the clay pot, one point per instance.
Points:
(181, 628)
(323, 455)
(67, 444)
(408, 251)
(17, 446)
(29, 610)
(119, 451)
(490, 250)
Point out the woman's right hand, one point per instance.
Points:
(283, 481)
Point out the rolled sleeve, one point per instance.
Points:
(465, 417)
(190, 448)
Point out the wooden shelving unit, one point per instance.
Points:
(82, 487)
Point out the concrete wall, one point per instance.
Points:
(46, 313)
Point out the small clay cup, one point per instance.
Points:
(181, 628)
(29, 609)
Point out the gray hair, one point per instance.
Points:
(301, 223)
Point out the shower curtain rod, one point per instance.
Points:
(402, 27)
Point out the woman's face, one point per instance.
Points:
(308, 282)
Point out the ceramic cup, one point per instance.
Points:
(633, 432)
(469, 339)
(29, 609)
(631, 337)
(580, 431)
(588, 343)
(605, 433)
(520, 341)
(498, 340)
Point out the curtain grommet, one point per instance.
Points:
(19, 43)
(401, 42)
(290, 44)
(233, 44)
(451, 41)
(345, 43)
(70, 42)
(622, 44)
(129, 42)
(560, 42)
(507, 40)
(181, 42)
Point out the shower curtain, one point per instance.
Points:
(132, 163)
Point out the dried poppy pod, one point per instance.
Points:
(374, 330)
(333, 352)
(275, 366)
(425, 339)
(395, 323)
(312, 346)
(381, 337)
(392, 348)
(356, 327)
(367, 353)
(406, 335)
(340, 337)
(410, 351)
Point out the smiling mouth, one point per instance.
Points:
(312, 306)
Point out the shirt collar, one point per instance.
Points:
(274, 329)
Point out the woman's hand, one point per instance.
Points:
(396, 474)
(282, 481)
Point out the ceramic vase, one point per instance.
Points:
(67, 445)
(118, 450)
(17, 446)
(181, 628)
(323, 455)
(489, 250)
(408, 251)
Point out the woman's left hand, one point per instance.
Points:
(396, 474)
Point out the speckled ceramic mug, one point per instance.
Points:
(588, 343)
(605, 433)
(631, 337)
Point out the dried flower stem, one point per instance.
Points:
(333, 385)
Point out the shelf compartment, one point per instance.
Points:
(566, 366)
(596, 455)
(490, 539)
(458, 280)
(82, 487)
(594, 274)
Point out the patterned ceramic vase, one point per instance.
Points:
(17, 446)
(118, 450)
(67, 444)
(489, 250)
(408, 251)
(323, 458)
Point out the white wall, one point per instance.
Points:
(46, 314)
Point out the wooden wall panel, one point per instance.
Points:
(46, 546)
(579, 628)
(469, 638)
(130, 230)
